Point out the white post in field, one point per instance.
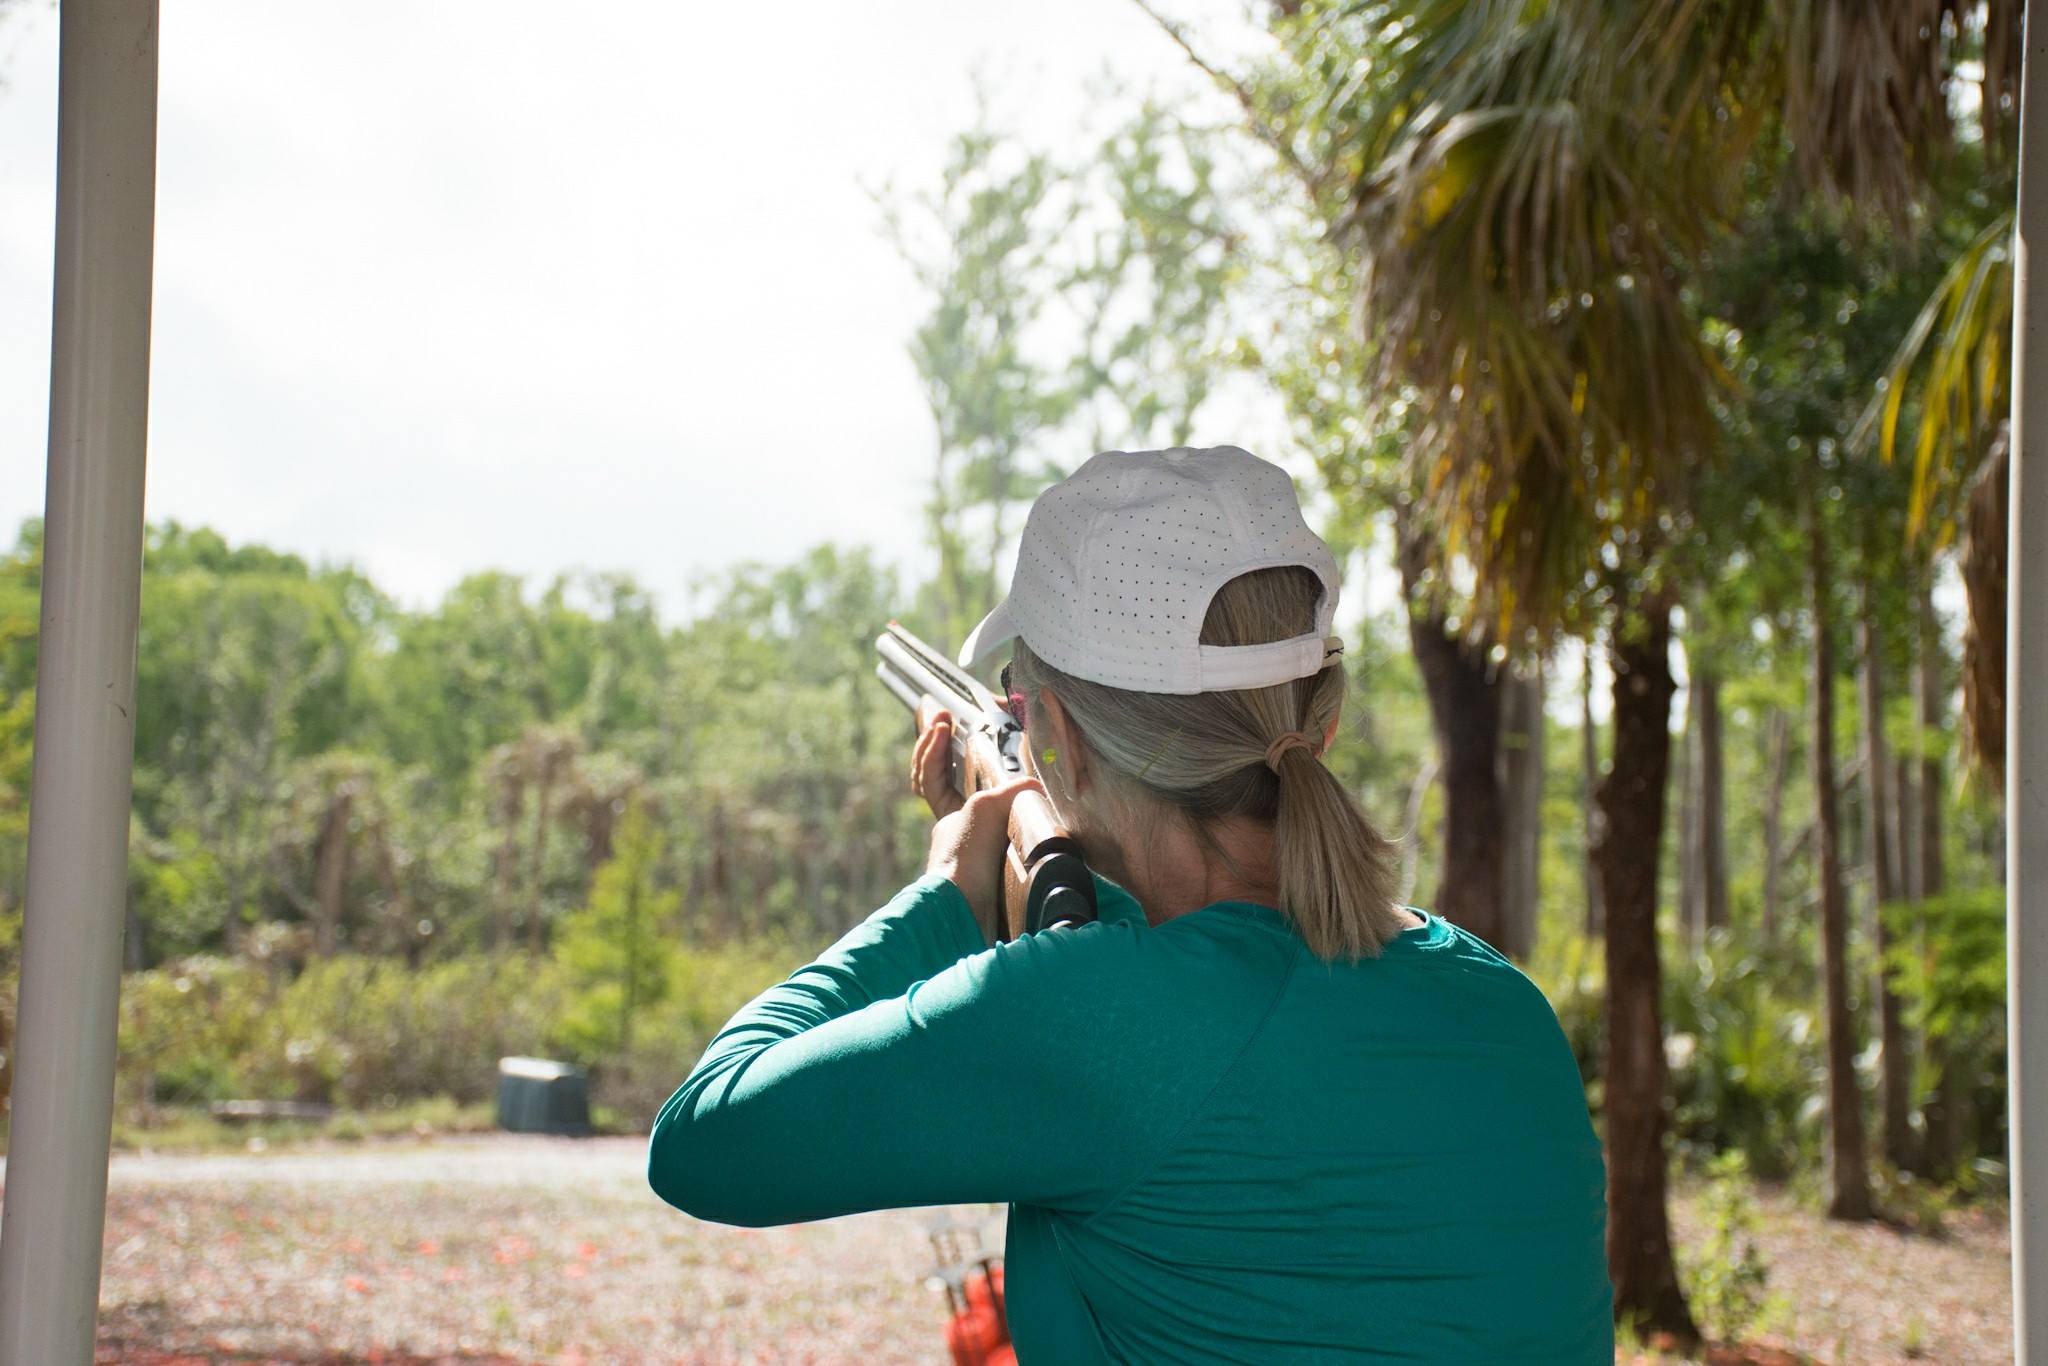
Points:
(52, 1222)
(2026, 723)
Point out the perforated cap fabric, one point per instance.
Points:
(1119, 561)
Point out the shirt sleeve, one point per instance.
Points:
(911, 1064)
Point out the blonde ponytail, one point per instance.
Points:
(1250, 753)
(1336, 871)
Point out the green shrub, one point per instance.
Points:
(1745, 1044)
(1725, 1272)
(356, 1031)
(367, 1033)
(706, 985)
(348, 1030)
(1909, 1199)
(1947, 964)
(186, 1026)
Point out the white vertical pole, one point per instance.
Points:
(55, 1208)
(2026, 720)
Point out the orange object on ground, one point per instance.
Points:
(979, 1335)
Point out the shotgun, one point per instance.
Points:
(1045, 883)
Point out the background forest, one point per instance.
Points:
(1644, 397)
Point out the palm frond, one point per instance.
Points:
(1864, 94)
(1532, 180)
(1954, 363)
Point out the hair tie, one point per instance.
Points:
(1292, 739)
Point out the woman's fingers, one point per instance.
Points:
(931, 767)
(967, 850)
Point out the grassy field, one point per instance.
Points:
(499, 1249)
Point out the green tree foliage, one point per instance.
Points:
(1163, 255)
(981, 247)
(342, 774)
(616, 950)
(1073, 308)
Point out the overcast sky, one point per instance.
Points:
(449, 286)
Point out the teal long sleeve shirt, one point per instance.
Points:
(1215, 1147)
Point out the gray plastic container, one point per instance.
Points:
(537, 1096)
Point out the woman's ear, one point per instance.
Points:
(1330, 731)
(1063, 738)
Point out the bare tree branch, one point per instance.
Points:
(1315, 181)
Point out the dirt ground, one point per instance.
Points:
(1871, 1295)
(494, 1249)
(501, 1250)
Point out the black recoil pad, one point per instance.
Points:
(1062, 892)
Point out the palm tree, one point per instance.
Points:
(336, 820)
(1525, 240)
(1526, 188)
(543, 760)
(602, 787)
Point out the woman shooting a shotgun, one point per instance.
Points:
(1255, 1112)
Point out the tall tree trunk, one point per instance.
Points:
(1464, 709)
(1464, 704)
(1779, 766)
(600, 823)
(1905, 824)
(721, 857)
(330, 872)
(1521, 785)
(1646, 1289)
(1589, 787)
(395, 910)
(629, 996)
(940, 518)
(1982, 559)
(1931, 697)
(1884, 868)
(237, 934)
(1691, 921)
(1712, 815)
(511, 799)
(536, 937)
(134, 957)
(1906, 840)
(1848, 1183)
(1879, 803)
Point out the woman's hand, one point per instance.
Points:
(967, 850)
(931, 767)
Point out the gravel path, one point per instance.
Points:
(496, 1248)
(518, 1251)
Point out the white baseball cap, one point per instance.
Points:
(1119, 560)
